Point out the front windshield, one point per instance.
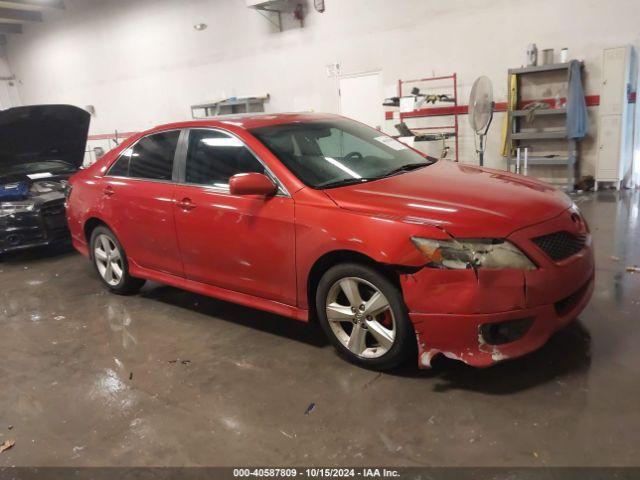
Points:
(332, 153)
(35, 167)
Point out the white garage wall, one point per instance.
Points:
(9, 96)
(141, 62)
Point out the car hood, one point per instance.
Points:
(43, 132)
(465, 201)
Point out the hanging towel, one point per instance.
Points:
(577, 122)
(512, 104)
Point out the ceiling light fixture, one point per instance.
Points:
(200, 26)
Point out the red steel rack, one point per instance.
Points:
(452, 111)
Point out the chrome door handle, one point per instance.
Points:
(109, 191)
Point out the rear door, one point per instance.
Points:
(240, 243)
(138, 194)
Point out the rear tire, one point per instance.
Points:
(364, 316)
(110, 261)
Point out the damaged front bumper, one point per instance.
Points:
(463, 337)
(486, 316)
(44, 226)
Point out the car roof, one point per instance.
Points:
(249, 121)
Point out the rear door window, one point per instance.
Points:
(214, 157)
(152, 157)
(121, 166)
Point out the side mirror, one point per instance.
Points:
(252, 184)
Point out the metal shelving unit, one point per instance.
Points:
(517, 119)
(559, 135)
(551, 111)
(533, 160)
(229, 106)
(539, 68)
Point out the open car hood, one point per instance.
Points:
(43, 132)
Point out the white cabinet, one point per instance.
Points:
(615, 120)
(610, 135)
(615, 75)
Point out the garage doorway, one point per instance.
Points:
(361, 97)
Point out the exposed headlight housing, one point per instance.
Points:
(577, 215)
(490, 253)
(575, 209)
(11, 208)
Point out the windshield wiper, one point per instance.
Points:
(344, 182)
(407, 168)
(351, 181)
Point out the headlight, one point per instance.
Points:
(472, 253)
(11, 208)
(575, 209)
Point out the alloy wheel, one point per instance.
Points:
(108, 260)
(361, 317)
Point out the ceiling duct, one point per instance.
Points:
(15, 13)
(281, 6)
(278, 7)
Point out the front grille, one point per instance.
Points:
(564, 306)
(52, 208)
(560, 245)
(55, 221)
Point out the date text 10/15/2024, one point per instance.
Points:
(315, 473)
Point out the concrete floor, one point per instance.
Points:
(89, 378)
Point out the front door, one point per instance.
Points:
(240, 243)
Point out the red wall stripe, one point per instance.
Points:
(111, 136)
(592, 101)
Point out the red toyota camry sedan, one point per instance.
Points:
(317, 217)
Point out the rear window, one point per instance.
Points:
(121, 167)
(151, 158)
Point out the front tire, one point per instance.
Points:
(110, 261)
(364, 316)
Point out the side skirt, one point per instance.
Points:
(221, 293)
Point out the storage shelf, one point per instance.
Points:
(230, 103)
(548, 161)
(541, 112)
(234, 104)
(540, 68)
(560, 135)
